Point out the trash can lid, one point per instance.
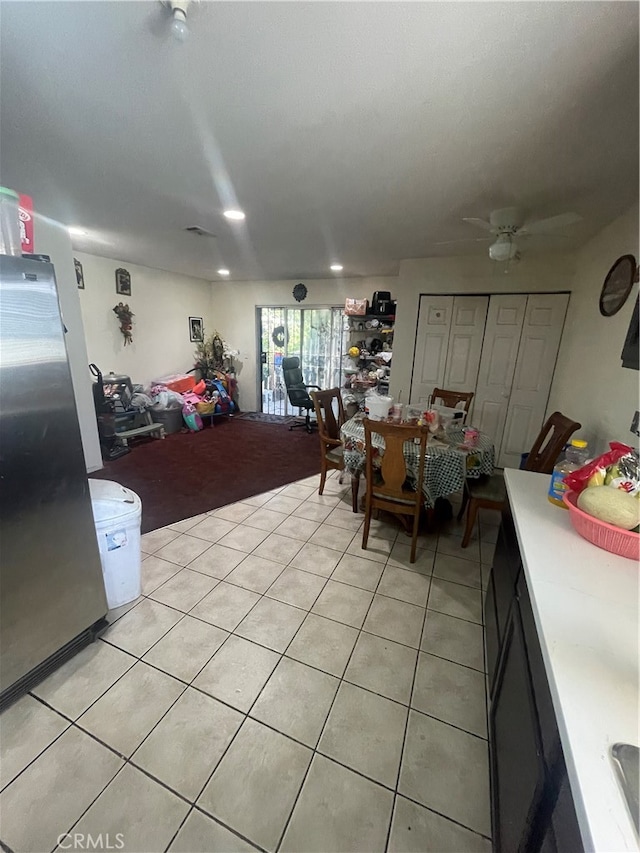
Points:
(110, 500)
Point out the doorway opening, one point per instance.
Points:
(315, 335)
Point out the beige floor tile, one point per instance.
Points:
(452, 693)
(271, 623)
(185, 649)
(365, 731)
(358, 571)
(201, 834)
(400, 557)
(27, 728)
(456, 600)
(242, 792)
(259, 500)
(324, 644)
(237, 672)
(395, 620)
(279, 549)
(487, 550)
(156, 539)
(418, 830)
(226, 606)
(326, 499)
(184, 748)
(187, 523)
(297, 588)
(447, 770)
(301, 717)
(244, 538)
(411, 587)
(184, 549)
(117, 612)
(217, 561)
(316, 559)
(490, 517)
(312, 511)
(184, 590)
(457, 570)
(236, 512)
(154, 572)
(347, 604)
(127, 712)
(338, 810)
(297, 528)
(212, 528)
(36, 808)
(328, 536)
(83, 679)
(141, 627)
(452, 545)
(382, 666)
(144, 812)
(377, 548)
(298, 491)
(485, 573)
(454, 639)
(265, 519)
(339, 517)
(488, 533)
(281, 503)
(255, 573)
(385, 527)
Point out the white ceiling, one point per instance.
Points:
(354, 131)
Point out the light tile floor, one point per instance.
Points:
(274, 688)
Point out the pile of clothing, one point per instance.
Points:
(207, 397)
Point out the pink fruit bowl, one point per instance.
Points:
(624, 543)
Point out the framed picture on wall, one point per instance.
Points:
(196, 332)
(123, 282)
(79, 273)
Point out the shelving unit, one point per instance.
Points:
(373, 335)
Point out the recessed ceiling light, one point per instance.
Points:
(77, 232)
(234, 214)
(223, 272)
(336, 267)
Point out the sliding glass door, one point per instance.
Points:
(315, 335)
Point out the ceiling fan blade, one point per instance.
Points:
(480, 223)
(465, 240)
(559, 221)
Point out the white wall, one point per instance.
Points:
(590, 384)
(552, 272)
(234, 314)
(162, 303)
(51, 238)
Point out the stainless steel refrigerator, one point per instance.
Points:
(52, 598)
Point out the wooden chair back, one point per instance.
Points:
(552, 438)
(325, 404)
(452, 398)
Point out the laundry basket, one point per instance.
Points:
(117, 513)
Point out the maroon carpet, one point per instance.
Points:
(190, 473)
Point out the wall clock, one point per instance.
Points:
(617, 285)
(300, 292)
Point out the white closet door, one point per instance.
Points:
(465, 342)
(432, 343)
(537, 355)
(498, 363)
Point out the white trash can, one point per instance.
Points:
(117, 513)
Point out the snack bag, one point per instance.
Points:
(594, 473)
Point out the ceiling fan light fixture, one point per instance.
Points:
(178, 9)
(504, 249)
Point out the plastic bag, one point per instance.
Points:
(579, 480)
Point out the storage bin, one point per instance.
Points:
(171, 419)
(179, 382)
(117, 513)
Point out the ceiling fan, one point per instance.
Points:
(508, 225)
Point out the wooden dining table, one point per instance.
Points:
(448, 461)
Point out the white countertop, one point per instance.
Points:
(586, 606)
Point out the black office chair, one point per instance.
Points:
(297, 391)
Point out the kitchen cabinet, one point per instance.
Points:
(532, 806)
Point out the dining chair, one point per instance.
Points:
(489, 492)
(390, 486)
(452, 398)
(325, 404)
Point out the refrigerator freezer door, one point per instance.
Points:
(51, 586)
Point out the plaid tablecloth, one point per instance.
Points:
(445, 469)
